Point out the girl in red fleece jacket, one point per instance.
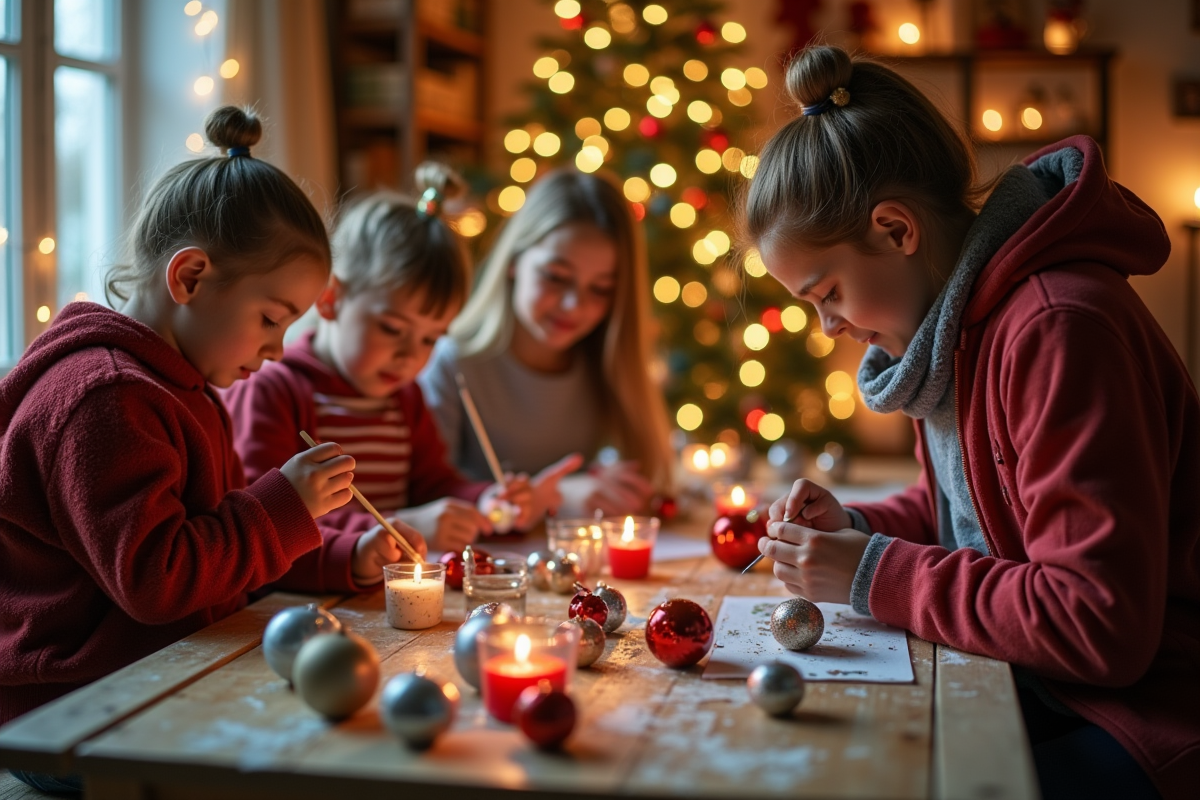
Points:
(399, 277)
(125, 521)
(1056, 525)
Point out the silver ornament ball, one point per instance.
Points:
(539, 570)
(466, 649)
(776, 688)
(418, 708)
(591, 640)
(336, 674)
(491, 610)
(797, 624)
(563, 572)
(287, 632)
(618, 609)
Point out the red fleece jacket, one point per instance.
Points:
(277, 402)
(1080, 431)
(125, 523)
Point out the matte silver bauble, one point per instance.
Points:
(336, 674)
(466, 648)
(797, 624)
(591, 640)
(776, 688)
(618, 609)
(287, 632)
(418, 708)
(539, 571)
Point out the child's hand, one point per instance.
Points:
(613, 491)
(449, 523)
(546, 497)
(321, 476)
(816, 506)
(517, 492)
(817, 565)
(376, 548)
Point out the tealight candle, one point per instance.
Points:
(630, 545)
(414, 594)
(582, 537)
(523, 652)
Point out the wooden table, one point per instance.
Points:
(206, 717)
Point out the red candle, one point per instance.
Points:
(506, 676)
(629, 559)
(736, 501)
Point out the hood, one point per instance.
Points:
(1089, 218)
(83, 325)
(301, 357)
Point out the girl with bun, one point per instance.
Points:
(1056, 524)
(125, 521)
(555, 345)
(400, 276)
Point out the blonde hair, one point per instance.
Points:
(247, 215)
(383, 242)
(618, 350)
(820, 175)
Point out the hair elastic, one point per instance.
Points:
(839, 98)
(234, 152)
(430, 204)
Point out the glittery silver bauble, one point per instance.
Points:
(776, 688)
(539, 571)
(563, 572)
(287, 632)
(591, 640)
(336, 674)
(797, 624)
(618, 609)
(418, 708)
(490, 610)
(466, 649)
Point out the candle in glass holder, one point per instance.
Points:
(630, 544)
(582, 537)
(520, 653)
(414, 595)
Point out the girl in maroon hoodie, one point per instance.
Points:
(125, 522)
(1056, 525)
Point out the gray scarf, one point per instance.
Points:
(917, 381)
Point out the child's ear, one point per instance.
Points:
(184, 273)
(895, 227)
(328, 299)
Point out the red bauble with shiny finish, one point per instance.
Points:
(586, 604)
(734, 537)
(649, 127)
(545, 715)
(706, 32)
(679, 633)
(453, 561)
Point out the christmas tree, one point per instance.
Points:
(654, 93)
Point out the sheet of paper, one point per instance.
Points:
(854, 648)
(671, 546)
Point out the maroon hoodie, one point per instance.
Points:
(1080, 434)
(124, 521)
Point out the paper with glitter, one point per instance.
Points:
(854, 648)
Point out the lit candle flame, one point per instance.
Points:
(700, 460)
(627, 534)
(718, 456)
(738, 496)
(417, 574)
(521, 651)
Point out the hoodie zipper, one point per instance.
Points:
(962, 442)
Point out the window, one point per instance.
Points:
(61, 201)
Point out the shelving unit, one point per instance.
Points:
(407, 80)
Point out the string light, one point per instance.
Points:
(597, 38)
(733, 33)
(658, 107)
(683, 215)
(715, 390)
(588, 126)
(193, 8)
(909, 33)
(545, 66)
(561, 82)
(471, 223)
(617, 119)
(708, 161)
(664, 86)
(732, 158)
(546, 144)
(839, 384)
(841, 407)
(195, 142)
(523, 170)
(43, 314)
(752, 373)
(636, 190)
(702, 252)
(756, 336)
(753, 263)
(689, 416)
(749, 166)
(992, 120)
(207, 23)
(636, 75)
(666, 289)
(203, 85)
(740, 97)
(230, 68)
(589, 159)
(597, 141)
(695, 70)
(694, 294)
(706, 332)
(662, 175)
(699, 111)
(567, 9)
(819, 344)
(756, 78)
(622, 17)
(46, 246)
(793, 318)
(719, 241)
(771, 427)
(517, 141)
(1031, 118)
(654, 14)
(511, 198)
(733, 78)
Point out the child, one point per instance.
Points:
(1056, 524)
(399, 277)
(554, 345)
(125, 522)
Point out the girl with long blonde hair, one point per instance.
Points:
(554, 345)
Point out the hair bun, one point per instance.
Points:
(230, 126)
(815, 72)
(435, 175)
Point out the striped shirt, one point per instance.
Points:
(375, 432)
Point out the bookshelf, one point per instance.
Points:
(407, 77)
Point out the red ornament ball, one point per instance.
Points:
(586, 604)
(734, 537)
(649, 127)
(706, 32)
(453, 561)
(664, 507)
(545, 715)
(679, 633)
